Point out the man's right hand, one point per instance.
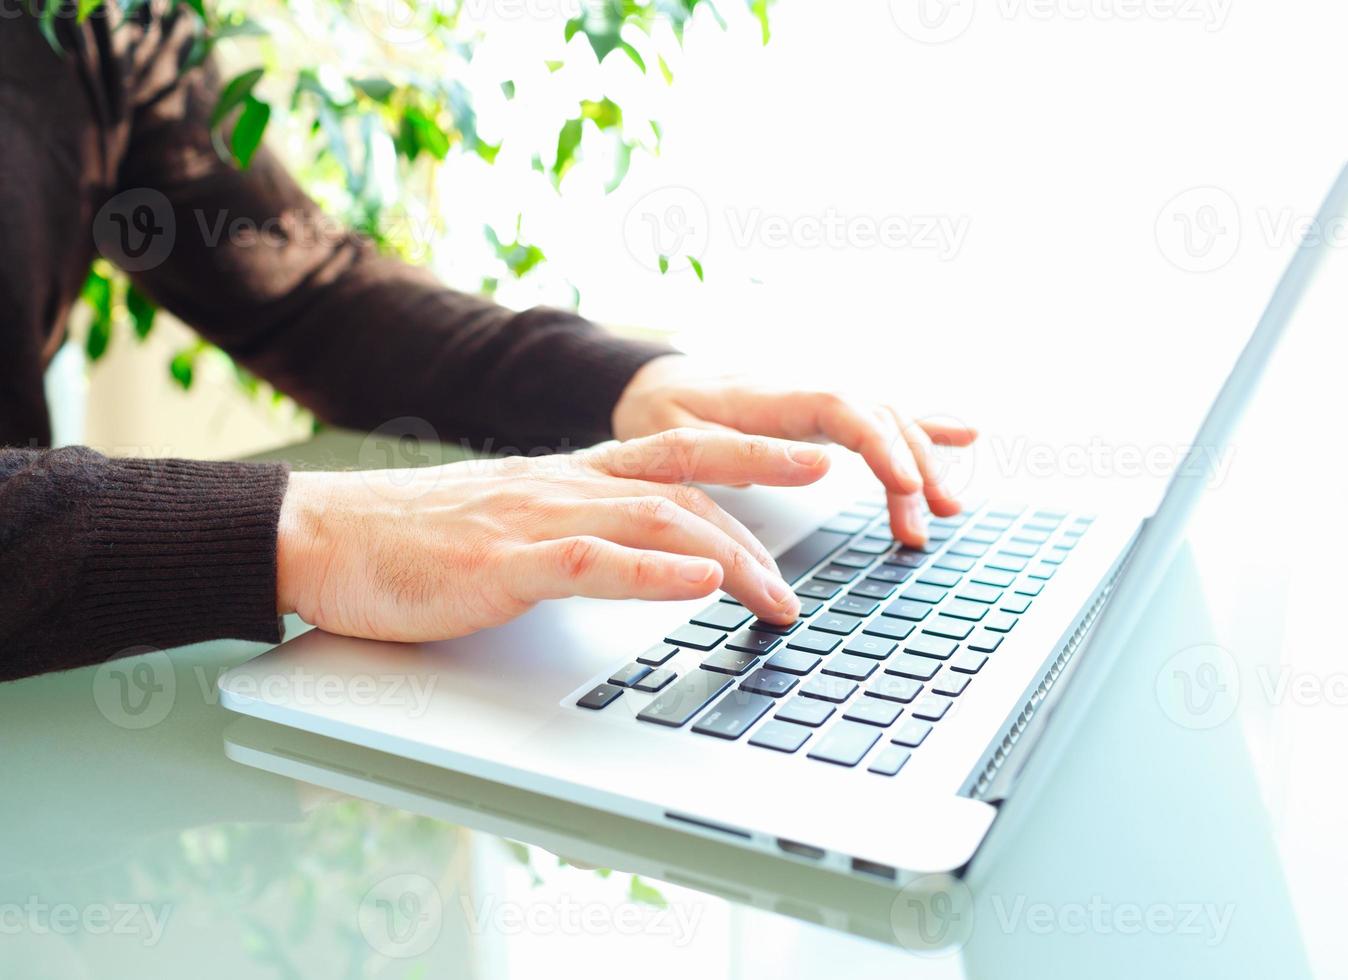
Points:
(444, 551)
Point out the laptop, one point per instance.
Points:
(879, 736)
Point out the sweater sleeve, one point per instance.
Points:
(254, 265)
(99, 556)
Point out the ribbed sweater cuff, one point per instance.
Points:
(181, 551)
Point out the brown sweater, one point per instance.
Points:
(108, 149)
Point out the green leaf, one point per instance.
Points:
(379, 89)
(197, 5)
(622, 163)
(639, 891)
(697, 267)
(488, 152)
(508, 89)
(568, 141)
(518, 257)
(759, 8)
(627, 49)
(427, 133)
(47, 25)
(239, 88)
(142, 311)
(606, 114)
(665, 70)
(554, 66)
(85, 9)
(182, 367)
(664, 264)
(97, 293)
(247, 135)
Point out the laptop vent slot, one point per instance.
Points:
(1040, 693)
(708, 825)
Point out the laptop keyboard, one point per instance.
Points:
(887, 640)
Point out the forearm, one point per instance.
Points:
(101, 556)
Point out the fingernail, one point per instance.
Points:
(696, 570)
(805, 455)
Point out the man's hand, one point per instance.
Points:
(444, 551)
(672, 392)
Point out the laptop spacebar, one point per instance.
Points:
(809, 551)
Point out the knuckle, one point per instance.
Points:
(578, 556)
(654, 513)
(740, 561)
(694, 500)
(646, 571)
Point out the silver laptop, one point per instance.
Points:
(878, 736)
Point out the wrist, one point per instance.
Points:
(654, 374)
(298, 547)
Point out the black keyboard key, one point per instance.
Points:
(836, 573)
(657, 654)
(951, 685)
(721, 616)
(871, 589)
(968, 549)
(773, 683)
(969, 662)
(870, 546)
(985, 642)
(947, 626)
(911, 733)
(601, 697)
(854, 605)
(873, 711)
(763, 626)
(956, 563)
(940, 576)
(697, 637)
(731, 716)
(908, 665)
(835, 689)
(832, 622)
(907, 609)
(809, 551)
(815, 589)
(889, 573)
(922, 593)
(901, 689)
(875, 647)
(964, 609)
(889, 760)
(793, 661)
(685, 698)
(1006, 563)
(930, 708)
(1000, 622)
(979, 593)
(930, 646)
(753, 641)
(846, 524)
(845, 744)
(814, 641)
(808, 607)
(781, 736)
(981, 535)
(655, 680)
(806, 711)
(908, 558)
(990, 576)
(1015, 604)
(851, 667)
(893, 629)
(730, 661)
(627, 676)
(853, 559)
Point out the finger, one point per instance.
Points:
(693, 500)
(939, 499)
(710, 456)
(599, 569)
(658, 523)
(948, 433)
